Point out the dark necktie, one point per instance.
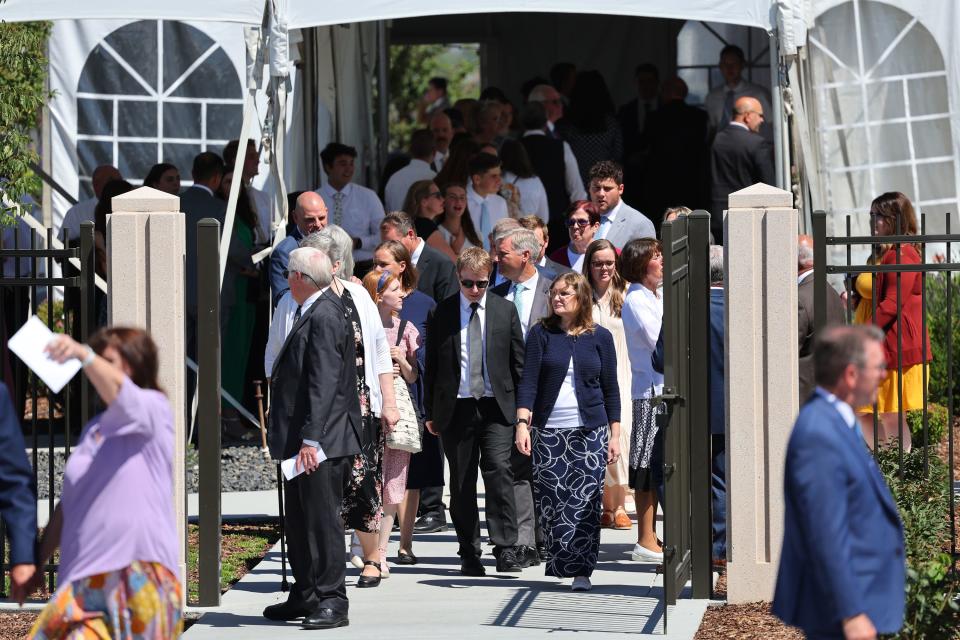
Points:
(727, 109)
(296, 314)
(475, 349)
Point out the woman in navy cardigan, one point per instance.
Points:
(569, 401)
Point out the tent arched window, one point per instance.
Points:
(698, 51)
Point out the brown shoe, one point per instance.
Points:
(622, 521)
(607, 519)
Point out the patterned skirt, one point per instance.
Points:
(568, 470)
(646, 424)
(362, 498)
(140, 602)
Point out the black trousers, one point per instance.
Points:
(315, 536)
(479, 438)
(529, 532)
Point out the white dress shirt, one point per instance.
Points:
(526, 299)
(642, 318)
(575, 259)
(439, 158)
(533, 197)
(375, 345)
(415, 256)
(606, 222)
(75, 215)
(845, 410)
(399, 183)
(571, 169)
(361, 214)
(465, 311)
(496, 210)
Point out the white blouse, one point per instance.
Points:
(533, 196)
(642, 318)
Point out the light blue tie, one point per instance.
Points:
(485, 228)
(604, 227)
(518, 289)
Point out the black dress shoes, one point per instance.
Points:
(543, 553)
(430, 523)
(472, 567)
(324, 618)
(285, 611)
(406, 558)
(507, 561)
(527, 557)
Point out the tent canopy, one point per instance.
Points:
(308, 13)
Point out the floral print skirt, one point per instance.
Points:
(362, 499)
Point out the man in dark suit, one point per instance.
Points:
(634, 118)
(539, 228)
(18, 499)
(473, 366)
(315, 416)
(718, 445)
(806, 306)
(528, 289)
(740, 158)
(309, 215)
(842, 569)
(437, 275)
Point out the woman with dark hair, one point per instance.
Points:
(901, 318)
(456, 169)
(590, 125)
(601, 266)
(569, 401)
(583, 222)
(642, 313)
(164, 177)
(455, 223)
(424, 204)
(426, 467)
(114, 523)
(518, 171)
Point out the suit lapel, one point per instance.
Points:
(296, 327)
(862, 453)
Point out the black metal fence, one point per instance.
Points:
(935, 271)
(22, 288)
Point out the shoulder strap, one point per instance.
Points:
(403, 325)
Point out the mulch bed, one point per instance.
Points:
(751, 621)
(14, 626)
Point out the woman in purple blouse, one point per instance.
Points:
(115, 520)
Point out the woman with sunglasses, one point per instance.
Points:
(601, 266)
(424, 204)
(583, 221)
(568, 419)
(387, 292)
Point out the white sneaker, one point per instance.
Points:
(581, 583)
(642, 554)
(356, 552)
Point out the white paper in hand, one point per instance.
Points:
(291, 469)
(29, 342)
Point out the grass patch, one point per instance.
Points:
(243, 546)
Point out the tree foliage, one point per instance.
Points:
(411, 66)
(23, 94)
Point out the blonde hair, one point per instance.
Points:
(476, 259)
(583, 294)
(618, 286)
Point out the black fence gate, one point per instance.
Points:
(686, 334)
(937, 282)
(21, 289)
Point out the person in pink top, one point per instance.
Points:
(387, 291)
(115, 520)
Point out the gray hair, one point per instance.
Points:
(502, 228)
(337, 244)
(840, 346)
(540, 93)
(716, 263)
(804, 254)
(312, 263)
(523, 240)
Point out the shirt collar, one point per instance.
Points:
(844, 409)
(415, 256)
(531, 283)
(803, 276)
(328, 190)
(471, 193)
(734, 123)
(415, 162)
(204, 187)
(465, 304)
(534, 132)
(309, 301)
(612, 214)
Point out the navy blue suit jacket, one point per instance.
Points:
(417, 307)
(545, 365)
(279, 260)
(843, 541)
(18, 496)
(717, 399)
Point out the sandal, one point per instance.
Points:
(365, 582)
(607, 519)
(621, 520)
(406, 558)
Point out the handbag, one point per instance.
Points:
(407, 434)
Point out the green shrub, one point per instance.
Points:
(936, 423)
(939, 324)
(57, 320)
(923, 499)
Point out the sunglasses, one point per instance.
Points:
(578, 222)
(470, 284)
(287, 272)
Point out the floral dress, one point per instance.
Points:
(361, 509)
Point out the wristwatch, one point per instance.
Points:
(89, 358)
(524, 421)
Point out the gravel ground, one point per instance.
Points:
(243, 468)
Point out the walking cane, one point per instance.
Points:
(284, 585)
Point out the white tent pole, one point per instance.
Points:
(249, 112)
(383, 98)
(779, 150)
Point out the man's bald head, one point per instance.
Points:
(804, 253)
(749, 111)
(102, 175)
(310, 215)
(674, 90)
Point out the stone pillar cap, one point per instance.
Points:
(760, 196)
(145, 200)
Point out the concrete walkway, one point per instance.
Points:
(432, 599)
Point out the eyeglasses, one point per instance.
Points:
(470, 284)
(560, 294)
(286, 274)
(578, 222)
(435, 194)
(604, 264)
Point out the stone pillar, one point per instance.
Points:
(145, 272)
(761, 381)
